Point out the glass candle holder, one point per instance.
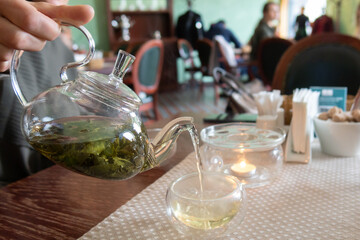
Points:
(253, 155)
(212, 212)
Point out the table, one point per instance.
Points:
(58, 204)
(318, 201)
(308, 201)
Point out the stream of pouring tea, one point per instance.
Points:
(195, 140)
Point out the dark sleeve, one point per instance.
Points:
(262, 34)
(234, 39)
(178, 27)
(7, 96)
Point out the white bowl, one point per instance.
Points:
(338, 138)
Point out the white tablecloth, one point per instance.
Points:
(320, 200)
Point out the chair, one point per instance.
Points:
(146, 72)
(186, 53)
(327, 59)
(240, 98)
(269, 54)
(204, 47)
(225, 55)
(134, 47)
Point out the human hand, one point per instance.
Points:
(28, 25)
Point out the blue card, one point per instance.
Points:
(330, 97)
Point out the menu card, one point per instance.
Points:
(330, 97)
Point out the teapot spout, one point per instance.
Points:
(165, 140)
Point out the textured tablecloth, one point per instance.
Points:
(320, 200)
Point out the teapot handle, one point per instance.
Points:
(16, 57)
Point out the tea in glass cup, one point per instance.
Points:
(214, 211)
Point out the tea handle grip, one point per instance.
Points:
(16, 57)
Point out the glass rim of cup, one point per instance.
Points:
(239, 186)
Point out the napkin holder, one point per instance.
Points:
(292, 156)
(298, 148)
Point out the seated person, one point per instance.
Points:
(219, 28)
(323, 24)
(265, 28)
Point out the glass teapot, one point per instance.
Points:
(92, 125)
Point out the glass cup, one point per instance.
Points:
(215, 211)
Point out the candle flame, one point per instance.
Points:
(242, 164)
(243, 169)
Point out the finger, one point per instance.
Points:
(5, 53)
(4, 66)
(26, 17)
(77, 15)
(16, 38)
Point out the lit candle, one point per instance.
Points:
(243, 169)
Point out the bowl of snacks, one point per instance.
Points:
(339, 132)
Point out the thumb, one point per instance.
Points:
(77, 15)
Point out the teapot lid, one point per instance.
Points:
(115, 92)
